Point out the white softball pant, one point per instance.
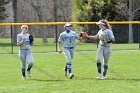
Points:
(23, 55)
(69, 52)
(103, 52)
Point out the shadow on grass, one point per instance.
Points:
(115, 79)
(86, 78)
(5, 44)
(129, 79)
(43, 80)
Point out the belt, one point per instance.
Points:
(102, 45)
(69, 47)
(105, 46)
(24, 49)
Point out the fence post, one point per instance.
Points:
(11, 39)
(55, 18)
(139, 36)
(56, 37)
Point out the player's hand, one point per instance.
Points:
(22, 42)
(83, 35)
(60, 51)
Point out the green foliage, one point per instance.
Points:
(112, 10)
(89, 10)
(94, 10)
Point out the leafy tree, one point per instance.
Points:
(125, 10)
(112, 10)
(89, 11)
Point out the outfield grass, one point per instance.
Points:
(123, 74)
(38, 46)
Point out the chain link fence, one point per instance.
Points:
(46, 36)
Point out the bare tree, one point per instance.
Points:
(131, 15)
(38, 9)
(15, 20)
(129, 10)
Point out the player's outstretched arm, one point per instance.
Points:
(95, 37)
(84, 36)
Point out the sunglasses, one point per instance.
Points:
(69, 26)
(25, 27)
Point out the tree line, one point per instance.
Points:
(112, 10)
(86, 11)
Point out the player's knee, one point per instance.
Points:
(98, 61)
(23, 67)
(105, 64)
(69, 61)
(31, 63)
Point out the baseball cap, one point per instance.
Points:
(100, 22)
(67, 24)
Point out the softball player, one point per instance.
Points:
(106, 37)
(68, 38)
(25, 51)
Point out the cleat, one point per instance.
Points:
(98, 76)
(23, 77)
(103, 77)
(71, 76)
(29, 73)
(65, 72)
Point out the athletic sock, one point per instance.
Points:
(23, 72)
(99, 67)
(69, 68)
(105, 70)
(29, 68)
(66, 67)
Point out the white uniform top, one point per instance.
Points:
(105, 36)
(68, 39)
(26, 44)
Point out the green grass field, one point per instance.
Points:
(38, 46)
(123, 74)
